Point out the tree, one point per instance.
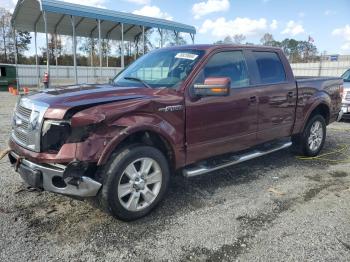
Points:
(238, 39)
(55, 47)
(267, 39)
(6, 35)
(89, 47)
(228, 40)
(308, 51)
(170, 38)
(9, 45)
(296, 51)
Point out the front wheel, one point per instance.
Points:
(311, 141)
(135, 181)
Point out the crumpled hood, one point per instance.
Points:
(60, 100)
(80, 95)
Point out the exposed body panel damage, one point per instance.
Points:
(112, 123)
(123, 119)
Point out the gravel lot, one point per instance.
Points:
(276, 208)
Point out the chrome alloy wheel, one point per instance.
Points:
(316, 136)
(140, 183)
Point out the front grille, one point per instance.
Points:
(21, 124)
(27, 121)
(25, 112)
(21, 136)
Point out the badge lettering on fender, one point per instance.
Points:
(170, 108)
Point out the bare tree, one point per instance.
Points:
(238, 39)
(267, 40)
(228, 40)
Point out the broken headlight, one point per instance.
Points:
(54, 135)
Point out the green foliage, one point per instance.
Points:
(296, 51)
(9, 45)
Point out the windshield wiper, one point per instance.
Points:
(138, 80)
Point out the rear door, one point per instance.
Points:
(216, 125)
(277, 95)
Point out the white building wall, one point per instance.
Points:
(321, 69)
(65, 74)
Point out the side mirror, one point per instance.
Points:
(213, 86)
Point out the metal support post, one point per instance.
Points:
(74, 49)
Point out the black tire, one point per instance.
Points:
(112, 174)
(300, 141)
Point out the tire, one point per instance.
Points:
(123, 174)
(310, 142)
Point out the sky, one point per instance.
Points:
(326, 21)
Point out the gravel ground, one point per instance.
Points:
(276, 208)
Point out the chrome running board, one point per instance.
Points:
(233, 159)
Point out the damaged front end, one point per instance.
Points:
(63, 158)
(67, 161)
(69, 180)
(60, 149)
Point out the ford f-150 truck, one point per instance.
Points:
(193, 109)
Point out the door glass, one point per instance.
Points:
(227, 64)
(270, 67)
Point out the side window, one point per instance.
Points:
(270, 67)
(227, 64)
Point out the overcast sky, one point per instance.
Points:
(326, 21)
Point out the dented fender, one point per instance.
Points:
(145, 122)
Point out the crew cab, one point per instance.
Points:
(193, 109)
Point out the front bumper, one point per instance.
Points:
(51, 178)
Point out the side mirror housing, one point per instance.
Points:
(213, 86)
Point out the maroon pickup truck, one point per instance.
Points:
(192, 108)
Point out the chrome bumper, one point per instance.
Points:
(50, 178)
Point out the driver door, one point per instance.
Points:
(219, 124)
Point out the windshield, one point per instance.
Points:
(161, 68)
(346, 76)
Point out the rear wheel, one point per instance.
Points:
(311, 141)
(135, 181)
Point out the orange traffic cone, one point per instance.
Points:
(10, 89)
(26, 90)
(15, 92)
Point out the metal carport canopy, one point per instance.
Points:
(29, 13)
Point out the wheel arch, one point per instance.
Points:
(145, 136)
(322, 109)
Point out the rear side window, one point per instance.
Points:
(270, 67)
(228, 64)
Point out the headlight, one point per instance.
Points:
(54, 134)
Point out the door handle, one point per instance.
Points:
(290, 94)
(252, 99)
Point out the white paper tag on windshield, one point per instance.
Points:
(186, 56)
